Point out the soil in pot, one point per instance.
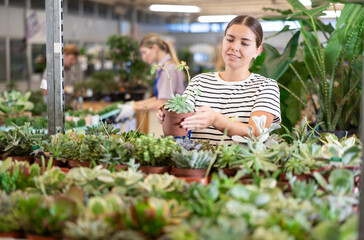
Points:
(230, 172)
(11, 235)
(172, 123)
(186, 172)
(74, 164)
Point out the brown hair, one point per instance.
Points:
(250, 22)
(152, 38)
(71, 49)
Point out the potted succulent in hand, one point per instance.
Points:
(177, 108)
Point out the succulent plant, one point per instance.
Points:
(16, 175)
(19, 141)
(87, 228)
(152, 151)
(14, 104)
(114, 151)
(46, 216)
(177, 103)
(188, 144)
(8, 217)
(102, 128)
(227, 155)
(192, 159)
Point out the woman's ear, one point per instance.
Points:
(259, 51)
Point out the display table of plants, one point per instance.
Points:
(16, 108)
(292, 186)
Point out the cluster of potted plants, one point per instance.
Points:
(300, 152)
(95, 203)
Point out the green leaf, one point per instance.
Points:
(276, 64)
(261, 199)
(342, 179)
(240, 192)
(326, 230)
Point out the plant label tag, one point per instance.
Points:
(336, 161)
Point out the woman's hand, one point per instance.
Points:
(160, 114)
(203, 118)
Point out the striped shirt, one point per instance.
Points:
(233, 99)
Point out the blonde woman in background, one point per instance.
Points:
(155, 50)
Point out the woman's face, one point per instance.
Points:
(149, 54)
(239, 47)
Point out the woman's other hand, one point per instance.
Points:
(160, 114)
(204, 117)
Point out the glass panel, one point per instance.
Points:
(39, 52)
(18, 60)
(88, 8)
(2, 60)
(38, 4)
(17, 3)
(103, 9)
(73, 7)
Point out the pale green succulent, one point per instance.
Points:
(162, 183)
(87, 228)
(192, 159)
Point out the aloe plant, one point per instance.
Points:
(19, 141)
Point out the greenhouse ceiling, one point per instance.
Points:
(213, 7)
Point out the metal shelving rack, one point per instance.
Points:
(55, 68)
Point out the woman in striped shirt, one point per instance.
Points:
(228, 100)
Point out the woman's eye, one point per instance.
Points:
(229, 40)
(244, 44)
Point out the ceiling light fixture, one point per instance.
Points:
(174, 8)
(215, 18)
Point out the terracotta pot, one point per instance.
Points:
(11, 235)
(19, 158)
(65, 170)
(117, 167)
(36, 237)
(172, 123)
(73, 163)
(154, 170)
(186, 172)
(201, 180)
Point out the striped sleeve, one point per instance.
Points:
(268, 100)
